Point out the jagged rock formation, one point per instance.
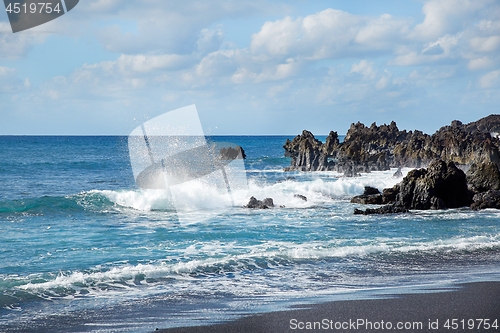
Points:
(366, 149)
(442, 185)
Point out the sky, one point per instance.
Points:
(255, 67)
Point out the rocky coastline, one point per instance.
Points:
(378, 148)
(474, 147)
(442, 185)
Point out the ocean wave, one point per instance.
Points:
(319, 188)
(203, 260)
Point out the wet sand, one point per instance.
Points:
(472, 307)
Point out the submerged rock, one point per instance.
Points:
(264, 204)
(300, 196)
(387, 209)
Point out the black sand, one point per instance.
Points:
(464, 310)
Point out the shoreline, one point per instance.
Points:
(467, 303)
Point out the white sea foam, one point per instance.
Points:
(319, 189)
(144, 200)
(217, 257)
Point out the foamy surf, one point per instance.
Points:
(216, 258)
(319, 189)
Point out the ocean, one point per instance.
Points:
(83, 249)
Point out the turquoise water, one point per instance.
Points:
(84, 249)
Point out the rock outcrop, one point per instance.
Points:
(442, 185)
(372, 196)
(483, 177)
(488, 199)
(264, 204)
(484, 181)
(307, 153)
(366, 149)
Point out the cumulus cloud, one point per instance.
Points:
(176, 52)
(447, 17)
(328, 34)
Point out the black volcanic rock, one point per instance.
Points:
(489, 124)
(389, 195)
(371, 190)
(366, 149)
(442, 185)
(306, 153)
(488, 199)
(300, 196)
(483, 177)
(264, 204)
(370, 195)
(387, 209)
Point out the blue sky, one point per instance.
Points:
(252, 67)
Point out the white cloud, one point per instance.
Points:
(442, 48)
(171, 27)
(365, 68)
(328, 34)
(148, 63)
(480, 63)
(383, 32)
(171, 54)
(447, 17)
(485, 44)
(489, 80)
(9, 82)
(15, 46)
(384, 81)
(210, 40)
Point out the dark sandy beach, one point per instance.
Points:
(471, 307)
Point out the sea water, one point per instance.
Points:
(83, 249)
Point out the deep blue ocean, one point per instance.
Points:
(83, 249)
